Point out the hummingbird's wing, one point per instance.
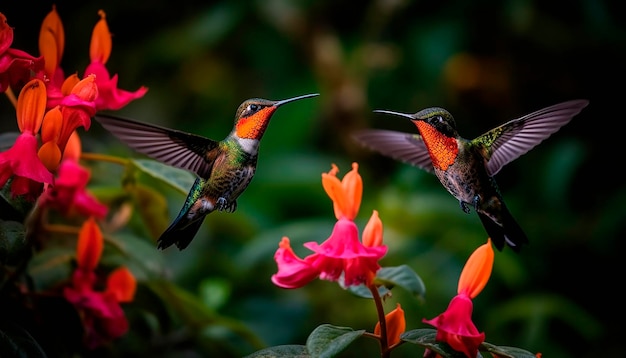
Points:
(179, 149)
(405, 147)
(509, 141)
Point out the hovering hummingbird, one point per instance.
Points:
(466, 168)
(223, 168)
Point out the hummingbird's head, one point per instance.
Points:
(438, 118)
(253, 115)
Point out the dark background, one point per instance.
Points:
(485, 61)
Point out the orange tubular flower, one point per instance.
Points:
(90, 245)
(342, 257)
(346, 193)
(51, 47)
(455, 325)
(103, 318)
(110, 97)
(396, 325)
(21, 160)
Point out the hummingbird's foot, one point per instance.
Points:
(476, 202)
(222, 205)
(464, 206)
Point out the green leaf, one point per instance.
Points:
(402, 276)
(187, 306)
(504, 351)
(215, 292)
(363, 291)
(281, 351)
(12, 244)
(328, 340)
(178, 179)
(152, 206)
(425, 337)
(50, 267)
(136, 253)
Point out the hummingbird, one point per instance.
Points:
(223, 168)
(466, 168)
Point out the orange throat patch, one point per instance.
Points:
(443, 150)
(254, 126)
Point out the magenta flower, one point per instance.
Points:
(69, 194)
(110, 97)
(16, 66)
(455, 325)
(103, 318)
(342, 257)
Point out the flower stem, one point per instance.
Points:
(385, 352)
(103, 158)
(11, 96)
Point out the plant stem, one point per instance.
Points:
(385, 352)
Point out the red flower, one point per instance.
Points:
(103, 318)
(342, 257)
(110, 97)
(455, 325)
(16, 66)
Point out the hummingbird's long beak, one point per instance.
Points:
(399, 114)
(280, 103)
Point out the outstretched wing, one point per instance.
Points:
(516, 137)
(405, 147)
(172, 147)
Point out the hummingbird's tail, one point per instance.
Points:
(179, 235)
(504, 231)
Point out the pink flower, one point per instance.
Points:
(16, 66)
(342, 257)
(103, 318)
(110, 97)
(455, 325)
(69, 194)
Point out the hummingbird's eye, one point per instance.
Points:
(253, 108)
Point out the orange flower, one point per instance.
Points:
(345, 194)
(396, 325)
(476, 271)
(52, 41)
(101, 44)
(90, 245)
(31, 106)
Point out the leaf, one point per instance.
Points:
(504, 351)
(12, 243)
(50, 267)
(136, 253)
(363, 291)
(281, 351)
(178, 179)
(152, 206)
(425, 337)
(328, 340)
(402, 276)
(187, 306)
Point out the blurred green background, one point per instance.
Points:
(485, 61)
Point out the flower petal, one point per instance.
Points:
(90, 245)
(31, 106)
(293, 272)
(476, 271)
(121, 284)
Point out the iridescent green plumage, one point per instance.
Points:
(466, 167)
(224, 168)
